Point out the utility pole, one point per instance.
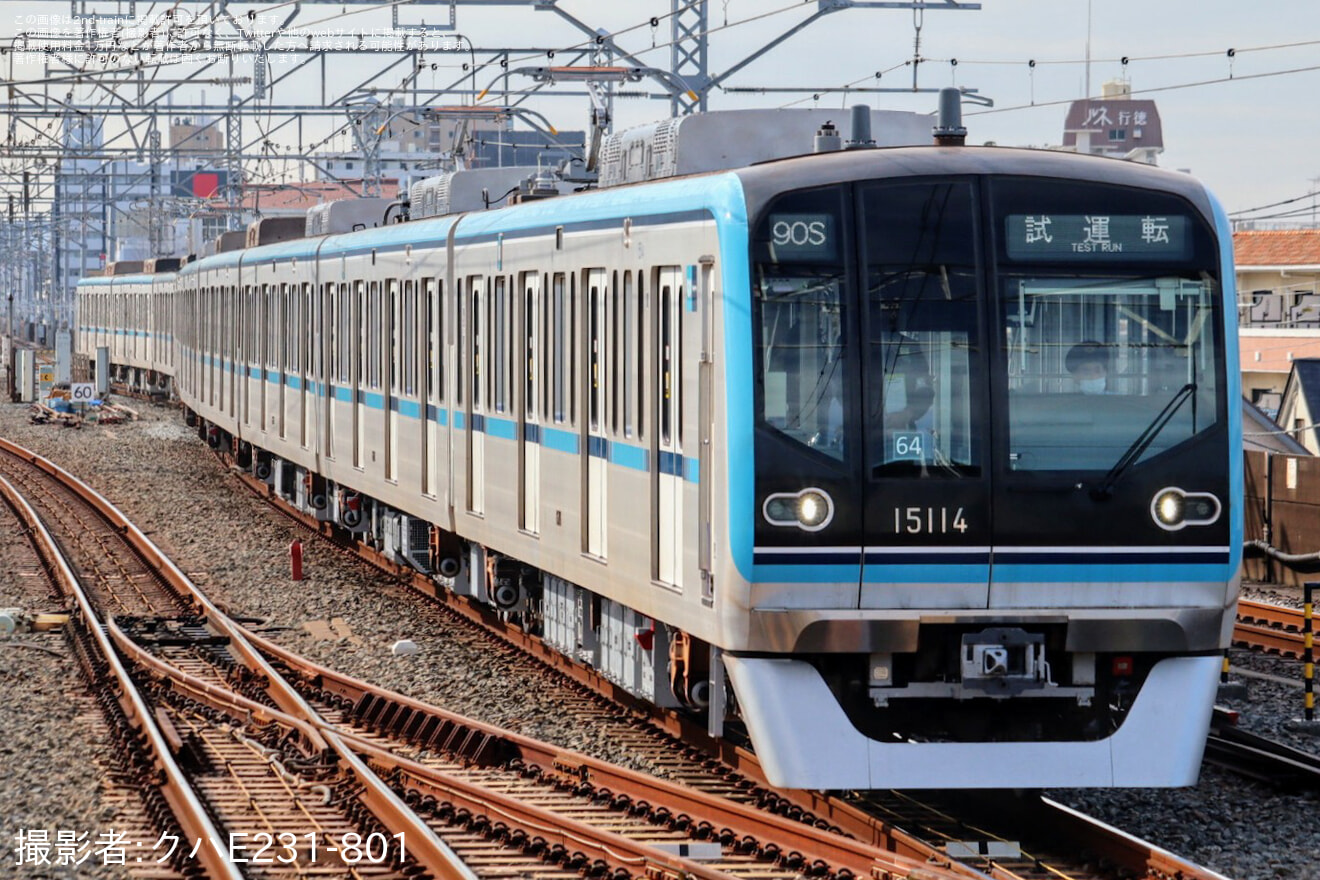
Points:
(9, 368)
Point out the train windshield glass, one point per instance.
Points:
(1110, 325)
(803, 345)
(1097, 365)
(920, 328)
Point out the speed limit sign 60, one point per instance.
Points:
(82, 392)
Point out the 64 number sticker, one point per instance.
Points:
(908, 446)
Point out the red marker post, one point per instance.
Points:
(295, 559)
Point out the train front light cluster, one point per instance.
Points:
(810, 510)
(1174, 509)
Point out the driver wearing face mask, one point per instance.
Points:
(1088, 364)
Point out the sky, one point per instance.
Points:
(1245, 123)
(1253, 138)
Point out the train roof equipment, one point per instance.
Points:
(476, 189)
(269, 230)
(345, 215)
(729, 139)
(233, 240)
(162, 264)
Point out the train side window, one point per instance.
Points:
(291, 319)
(440, 350)
(641, 356)
(358, 374)
(614, 353)
(305, 337)
(392, 308)
(625, 352)
(279, 339)
(408, 364)
(530, 341)
(571, 352)
(345, 334)
(278, 321)
(461, 331)
(329, 366)
(547, 348)
(265, 329)
(374, 330)
(478, 349)
(557, 335)
(429, 310)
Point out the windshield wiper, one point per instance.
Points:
(1127, 459)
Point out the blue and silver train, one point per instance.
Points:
(921, 465)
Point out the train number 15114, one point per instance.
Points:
(928, 520)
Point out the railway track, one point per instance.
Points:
(1260, 758)
(230, 734)
(208, 782)
(1273, 629)
(984, 842)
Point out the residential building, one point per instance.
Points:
(1300, 403)
(1278, 283)
(1115, 125)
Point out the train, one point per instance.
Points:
(918, 465)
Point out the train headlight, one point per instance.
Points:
(1168, 509)
(1174, 509)
(810, 510)
(813, 508)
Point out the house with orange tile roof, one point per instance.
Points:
(1278, 284)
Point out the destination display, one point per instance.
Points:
(803, 238)
(1097, 237)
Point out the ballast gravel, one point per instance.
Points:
(346, 615)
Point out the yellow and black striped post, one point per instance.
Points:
(1308, 658)
(1223, 669)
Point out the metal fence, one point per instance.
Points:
(1282, 510)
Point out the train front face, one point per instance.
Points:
(996, 498)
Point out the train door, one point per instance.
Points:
(477, 297)
(923, 397)
(529, 437)
(391, 335)
(667, 436)
(595, 449)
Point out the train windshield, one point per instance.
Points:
(870, 325)
(1097, 365)
(1110, 338)
(925, 345)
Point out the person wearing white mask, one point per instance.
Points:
(1088, 364)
